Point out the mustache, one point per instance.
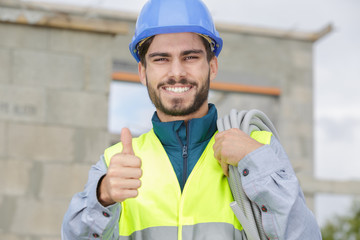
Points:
(183, 81)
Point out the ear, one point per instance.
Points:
(142, 73)
(213, 68)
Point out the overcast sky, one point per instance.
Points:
(336, 69)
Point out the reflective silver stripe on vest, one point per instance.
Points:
(211, 231)
(201, 231)
(153, 233)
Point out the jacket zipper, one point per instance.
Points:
(184, 154)
(185, 158)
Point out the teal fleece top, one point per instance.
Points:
(185, 144)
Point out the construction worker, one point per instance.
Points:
(171, 183)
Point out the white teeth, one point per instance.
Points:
(177, 89)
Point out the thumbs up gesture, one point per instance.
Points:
(123, 177)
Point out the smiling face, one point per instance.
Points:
(178, 75)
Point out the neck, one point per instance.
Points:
(202, 111)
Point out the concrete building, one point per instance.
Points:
(56, 65)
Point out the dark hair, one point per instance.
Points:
(209, 53)
(142, 50)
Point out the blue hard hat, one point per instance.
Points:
(174, 16)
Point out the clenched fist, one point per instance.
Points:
(231, 146)
(123, 176)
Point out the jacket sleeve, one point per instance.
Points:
(271, 183)
(86, 218)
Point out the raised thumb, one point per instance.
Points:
(126, 140)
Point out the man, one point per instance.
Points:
(170, 183)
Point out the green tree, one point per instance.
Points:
(344, 227)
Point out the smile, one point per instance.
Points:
(177, 89)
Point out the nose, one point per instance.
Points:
(177, 70)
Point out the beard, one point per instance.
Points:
(176, 106)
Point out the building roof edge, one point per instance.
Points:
(113, 16)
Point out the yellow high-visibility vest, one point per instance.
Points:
(161, 211)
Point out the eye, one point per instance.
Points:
(191, 57)
(160, 59)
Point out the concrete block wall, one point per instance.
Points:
(54, 87)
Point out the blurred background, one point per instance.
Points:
(68, 84)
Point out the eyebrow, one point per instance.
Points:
(158, 54)
(184, 53)
(193, 51)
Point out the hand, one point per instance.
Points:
(123, 176)
(231, 146)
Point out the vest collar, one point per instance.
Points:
(200, 129)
